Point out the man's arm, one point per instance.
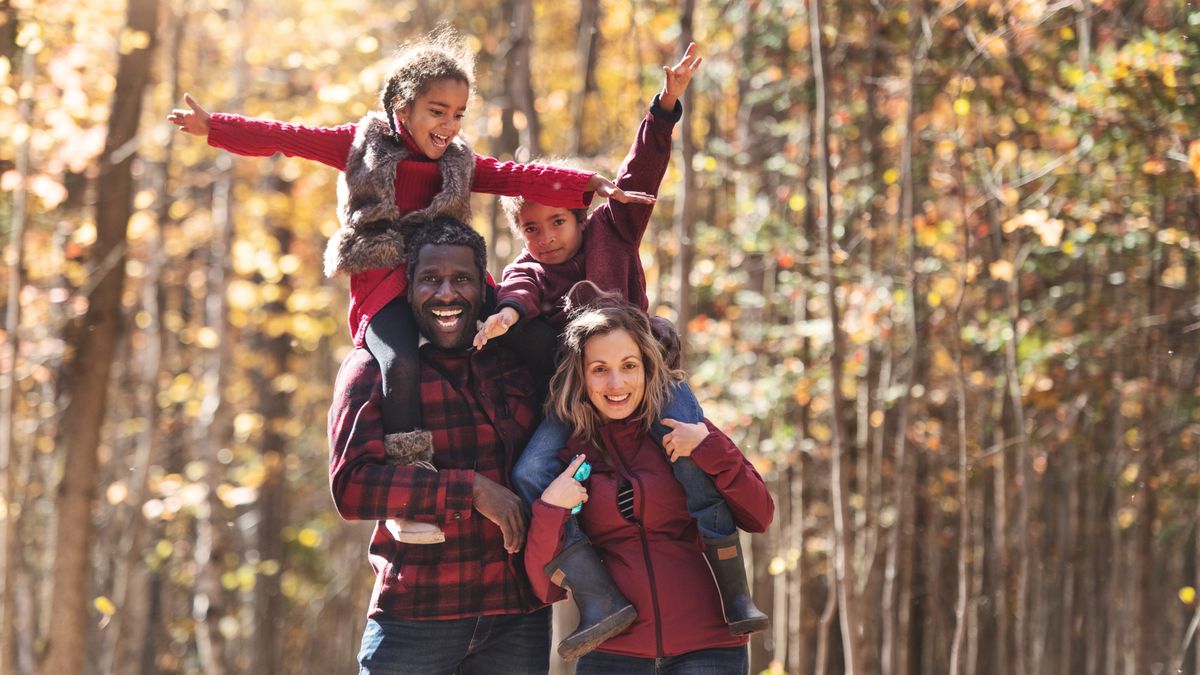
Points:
(365, 485)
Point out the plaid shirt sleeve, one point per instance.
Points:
(364, 484)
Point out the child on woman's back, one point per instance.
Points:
(400, 168)
(565, 246)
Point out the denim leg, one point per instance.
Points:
(705, 502)
(511, 644)
(401, 647)
(601, 663)
(539, 464)
(571, 532)
(681, 405)
(716, 661)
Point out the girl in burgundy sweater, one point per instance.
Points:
(400, 168)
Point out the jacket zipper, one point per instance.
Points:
(658, 639)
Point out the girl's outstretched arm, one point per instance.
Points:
(196, 121)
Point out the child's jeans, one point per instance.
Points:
(539, 465)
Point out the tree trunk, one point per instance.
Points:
(275, 405)
(851, 620)
(87, 389)
(214, 424)
(685, 206)
(12, 460)
(133, 601)
(585, 61)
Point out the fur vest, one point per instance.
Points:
(373, 232)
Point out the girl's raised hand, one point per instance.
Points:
(604, 187)
(565, 492)
(684, 438)
(678, 77)
(194, 121)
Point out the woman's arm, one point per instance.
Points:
(735, 477)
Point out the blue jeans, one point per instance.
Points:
(509, 644)
(717, 661)
(539, 465)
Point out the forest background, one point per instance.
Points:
(937, 272)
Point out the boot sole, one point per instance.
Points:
(584, 642)
(749, 626)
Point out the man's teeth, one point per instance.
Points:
(447, 316)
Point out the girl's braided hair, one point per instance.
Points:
(441, 55)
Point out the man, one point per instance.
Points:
(465, 605)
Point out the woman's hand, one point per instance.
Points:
(196, 121)
(609, 190)
(684, 438)
(678, 77)
(565, 492)
(495, 326)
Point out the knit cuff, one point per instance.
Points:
(671, 116)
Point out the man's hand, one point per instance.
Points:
(565, 492)
(684, 437)
(196, 121)
(499, 505)
(496, 325)
(678, 77)
(609, 190)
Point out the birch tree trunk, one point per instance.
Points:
(585, 60)
(11, 458)
(850, 620)
(87, 388)
(214, 424)
(685, 207)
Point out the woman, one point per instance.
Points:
(609, 389)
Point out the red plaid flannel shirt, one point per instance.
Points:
(480, 407)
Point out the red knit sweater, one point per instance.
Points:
(417, 181)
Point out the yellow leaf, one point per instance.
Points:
(1187, 595)
(962, 106)
(1168, 76)
(797, 202)
(891, 176)
(1001, 269)
(309, 538)
(1006, 151)
(104, 606)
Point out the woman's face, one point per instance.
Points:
(614, 374)
(435, 118)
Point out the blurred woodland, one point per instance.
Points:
(936, 262)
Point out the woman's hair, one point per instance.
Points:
(568, 388)
(441, 55)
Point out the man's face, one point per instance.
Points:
(446, 295)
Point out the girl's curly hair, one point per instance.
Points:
(441, 55)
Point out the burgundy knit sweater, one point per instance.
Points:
(417, 181)
(612, 234)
